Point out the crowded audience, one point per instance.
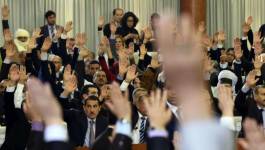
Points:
(167, 86)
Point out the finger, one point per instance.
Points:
(243, 143)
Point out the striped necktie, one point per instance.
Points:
(91, 133)
(142, 130)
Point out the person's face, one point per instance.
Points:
(155, 23)
(141, 106)
(100, 78)
(93, 68)
(118, 44)
(118, 15)
(91, 108)
(70, 44)
(51, 20)
(172, 97)
(230, 56)
(130, 22)
(22, 39)
(57, 63)
(260, 97)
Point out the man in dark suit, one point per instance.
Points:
(140, 121)
(84, 126)
(248, 105)
(117, 15)
(50, 28)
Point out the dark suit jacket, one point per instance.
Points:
(17, 126)
(247, 107)
(77, 125)
(158, 143)
(35, 141)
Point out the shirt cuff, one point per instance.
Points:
(63, 36)
(220, 45)
(244, 38)
(237, 61)
(44, 56)
(56, 132)
(7, 61)
(245, 88)
(37, 126)
(124, 86)
(10, 89)
(157, 133)
(228, 122)
(123, 128)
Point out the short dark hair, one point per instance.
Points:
(155, 15)
(126, 16)
(94, 62)
(92, 98)
(86, 87)
(49, 13)
(114, 11)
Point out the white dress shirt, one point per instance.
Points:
(174, 110)
(136, 130)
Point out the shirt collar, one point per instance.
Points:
(172, 107)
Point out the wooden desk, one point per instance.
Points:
(134, 147)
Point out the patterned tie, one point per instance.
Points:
(142, 130)
(52, 31)
(91, 133)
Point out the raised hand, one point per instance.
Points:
(154, 62)
(101, 21)
(249, 20)
(31, 113)
(119, 103)
(70, 84)
(148, 33)
(208, 64)
(46, 44)
(225, 97)
(80, 39)
(31, 45)
(182, 50)
(10, 49)
(257, 62)
(5, 12)
(201, 27)
(221, 37)
(157, 112)
(255, 139)
(42, 100)
(131, 73)
(257, 37)
(68, 26)
(22, 75)
(207, 41)
(123, 66)
(251, 79)
(36, 33)
(58, 33)
(67, 72)
(8, 35)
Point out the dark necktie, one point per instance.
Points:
(142, 130)
(91, 133)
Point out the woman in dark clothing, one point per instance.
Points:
(127, 29)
